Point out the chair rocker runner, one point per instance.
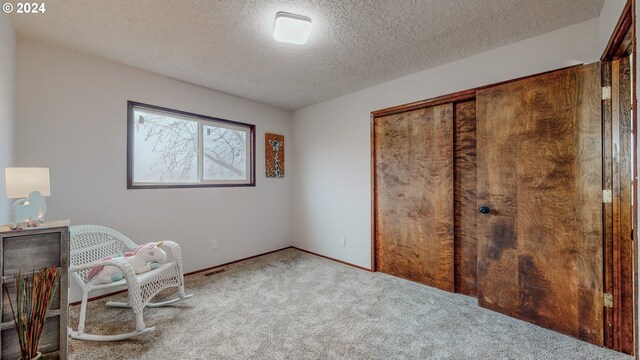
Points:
(90, 244)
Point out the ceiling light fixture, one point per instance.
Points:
(292, 28)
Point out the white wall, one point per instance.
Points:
(609, 15)
(72, 118)
(7, 106)
(331, 140)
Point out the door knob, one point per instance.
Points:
(484, 209)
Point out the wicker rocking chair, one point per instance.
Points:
(89, 245)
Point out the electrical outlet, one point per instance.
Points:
(343, 241)
(214, 244)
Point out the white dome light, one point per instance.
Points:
(292, 28)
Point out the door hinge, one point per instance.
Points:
(607, 196)
(606, 92)
(607, 300)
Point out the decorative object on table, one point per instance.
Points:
(145, 258)
(30, 185)
(34, 295)
(92, 243)
(274, 155)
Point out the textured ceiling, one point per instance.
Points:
(227, 45)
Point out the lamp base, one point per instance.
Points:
(25, 225)
(28, 212)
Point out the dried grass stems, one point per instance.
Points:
(34, 295)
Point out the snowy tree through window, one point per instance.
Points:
(169, 148)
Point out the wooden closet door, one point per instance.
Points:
(540, 172)
(414, 195)
(619, 213)
(464, 195)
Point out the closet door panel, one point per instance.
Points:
(414, 187)
(621, 265)
(464, 192)
(540, 172)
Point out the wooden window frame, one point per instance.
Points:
(132, 105)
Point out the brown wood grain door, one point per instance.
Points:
(413, 153)
(618, 218)
(464, 194)
(540, 172)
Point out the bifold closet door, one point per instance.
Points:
(414, 195)
(540, 175)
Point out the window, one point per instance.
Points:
(170, 148)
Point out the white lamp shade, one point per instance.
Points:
(20, 181)
(292, 28)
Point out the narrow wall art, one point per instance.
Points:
(274, 155)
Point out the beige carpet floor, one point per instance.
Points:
(292, 305)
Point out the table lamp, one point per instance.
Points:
(30, 185)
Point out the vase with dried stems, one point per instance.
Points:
(34, 295)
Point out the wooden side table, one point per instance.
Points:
(27, 251)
